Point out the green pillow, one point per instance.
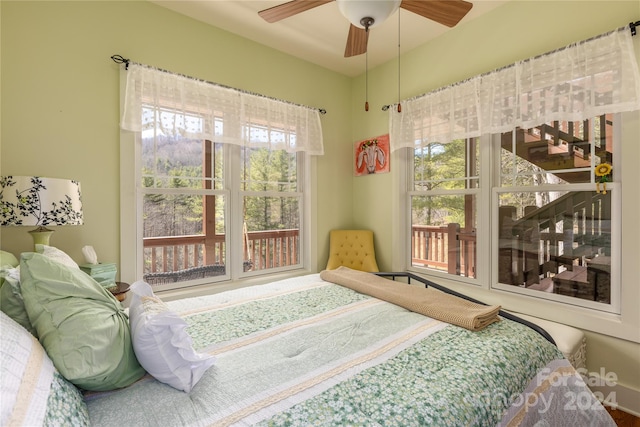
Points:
(11, 302)
(7, 258)
(81, 325)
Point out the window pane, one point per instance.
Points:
(179, 244)
(272, 232)
(446, 166)
(443, 233)
(556, 242)
(269, 170)
(556, 152)
(272, 222)
(187, 199)
(170, 162)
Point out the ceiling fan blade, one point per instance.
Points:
(445, 12)
(356, 41)
(285, 10)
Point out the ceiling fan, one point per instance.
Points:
(364, 14)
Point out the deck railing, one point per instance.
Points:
(447, 248)
(262, 250)
(572, 232)
(444, 248)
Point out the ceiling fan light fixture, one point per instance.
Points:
(378, 10)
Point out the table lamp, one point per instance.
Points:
(38, 201)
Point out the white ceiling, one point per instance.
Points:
(319, 35)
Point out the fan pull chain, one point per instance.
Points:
(366, 79)
(399, 106)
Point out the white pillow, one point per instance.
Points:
(161, 343)
(33, 392)
(23, 358)
(56, 255)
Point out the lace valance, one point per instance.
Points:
(580, 81)
(176, 104)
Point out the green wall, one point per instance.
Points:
(60, 102)
(514, 31)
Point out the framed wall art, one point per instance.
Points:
(372, 156)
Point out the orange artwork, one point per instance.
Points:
(372, 156)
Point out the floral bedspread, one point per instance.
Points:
(304, 352)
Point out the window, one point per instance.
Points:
(222, 183)
(553, 237)
(272, 205)
(512, 155)
(190, 196)
(554, 226)
(443, 207)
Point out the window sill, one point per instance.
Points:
(624, 325)
(201, 289)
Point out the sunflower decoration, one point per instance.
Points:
(603, 173)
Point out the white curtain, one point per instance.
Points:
(577, 82)
(156, 99)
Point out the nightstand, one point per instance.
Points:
(120, 290)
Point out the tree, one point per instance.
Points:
(439, 166)
(264, 171)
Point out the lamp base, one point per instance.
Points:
(41, 235)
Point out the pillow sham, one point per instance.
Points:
(81, 325)
(161, 342)
(33, 392)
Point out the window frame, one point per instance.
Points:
(475, 191)
(302, 160)
(614, 189)
(621, 321)
(614, 305)
(131, 221)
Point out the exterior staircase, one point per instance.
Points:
(563, 146)
(562, 247)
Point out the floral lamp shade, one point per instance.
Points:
(40, 202)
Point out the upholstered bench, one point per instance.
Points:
(570, 341)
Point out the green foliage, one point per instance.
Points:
(270, 171)
(172, 214)
(180, 214)
(439, 166)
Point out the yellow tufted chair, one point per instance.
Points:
(353, 249)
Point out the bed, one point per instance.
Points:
(310, 351)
